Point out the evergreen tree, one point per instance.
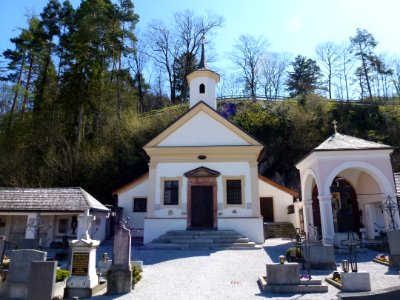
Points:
(363, 45)
(303, 80)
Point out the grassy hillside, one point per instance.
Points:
(37, 152)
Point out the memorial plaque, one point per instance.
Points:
(80, 264)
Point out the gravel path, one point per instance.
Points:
(228, 274)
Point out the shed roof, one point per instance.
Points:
(278, 186)
(71, 199)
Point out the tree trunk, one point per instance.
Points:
(366, 76)
(28, 82)
(14, 103)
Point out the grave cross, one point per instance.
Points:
(352, 244)
(85, 222)
(335, 125)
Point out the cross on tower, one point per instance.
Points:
(335, 125)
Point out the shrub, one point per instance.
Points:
(136, 275)
(61, 275)
(294, 258)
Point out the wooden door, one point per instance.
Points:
(202, 207)
(267, 209)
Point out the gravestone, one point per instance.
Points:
(119, 278)
(285, 278)
(16, 285)
(393, 238)
(26, 244)
(104, 264)
(42, 280)
(83, 281)
(2, 250)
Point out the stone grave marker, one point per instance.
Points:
(43, 275)
(2, 250)
(393, 238)
(119, 278)
(83, 281)
(26, 244)
(16, 285)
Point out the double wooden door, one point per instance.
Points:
(202, 207)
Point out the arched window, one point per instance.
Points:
(202, 88)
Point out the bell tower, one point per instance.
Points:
(203, 83)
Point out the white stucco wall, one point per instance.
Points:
(281, 200)
(208, 97)
(251, 228)
(153, 228)
(196, 132)
(225, 168)
(125, 200)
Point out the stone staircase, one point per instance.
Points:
(279, 229)
(201, 239)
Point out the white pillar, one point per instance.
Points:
(308, 218)
(325, 207)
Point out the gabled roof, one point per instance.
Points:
(345, 142)
(278, 186)
(341, 142)
(202, 172)
(201, 107)
(73, 199)
(131, 184)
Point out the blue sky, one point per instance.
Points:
(294, 26)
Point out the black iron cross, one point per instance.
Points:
(352, 243)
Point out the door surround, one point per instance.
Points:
(201, 176)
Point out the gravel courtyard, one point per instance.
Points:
(228, 274)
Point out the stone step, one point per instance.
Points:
(201, 232)
(201, 239)
(192, 241)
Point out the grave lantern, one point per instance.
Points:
(345, 265)
(281, 259)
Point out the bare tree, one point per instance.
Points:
(328, 56)
(189, 31)
(346, 66)
(396, 75)
(363, 45)
(274, 69)
(164, 51)
(174, 48)
(247, 55)
(229, 87)
(137, 64)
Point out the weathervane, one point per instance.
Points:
(335, 125)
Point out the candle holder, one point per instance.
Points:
(345, 265)
(281, 259)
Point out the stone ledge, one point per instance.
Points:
(303, 287)
(392, 293)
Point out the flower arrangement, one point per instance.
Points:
(382, 258)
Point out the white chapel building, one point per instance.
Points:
(203, 174)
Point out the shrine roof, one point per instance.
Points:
(345, 142)
(71, 199)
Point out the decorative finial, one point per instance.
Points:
(335, 125)
(202, 63)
